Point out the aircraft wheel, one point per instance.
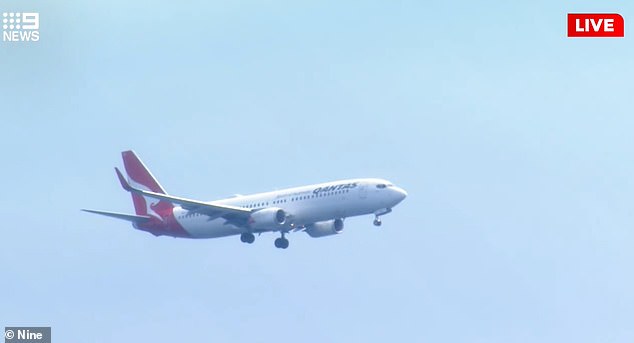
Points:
(377, 222)
(281, 243)
(247, 238)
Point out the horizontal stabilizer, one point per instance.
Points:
(129, 217)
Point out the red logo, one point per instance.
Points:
(595, 25)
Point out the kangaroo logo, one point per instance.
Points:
(151, 205)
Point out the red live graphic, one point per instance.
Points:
(595, 25)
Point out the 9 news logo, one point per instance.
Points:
(20, 27)
(595, 25)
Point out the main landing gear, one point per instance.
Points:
(247, 237)
(281, 242)
(377, 221)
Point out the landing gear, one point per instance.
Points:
(379, 213)
(247, 237)
(281, 242)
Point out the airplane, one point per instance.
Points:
(319, 209)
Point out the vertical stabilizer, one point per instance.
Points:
(142, 178)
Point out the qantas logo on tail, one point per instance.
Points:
(140, 177)
(150, 205)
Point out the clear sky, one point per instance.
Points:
(514, 144)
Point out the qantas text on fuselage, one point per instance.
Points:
(318, 209)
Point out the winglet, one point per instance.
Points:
(124, 182)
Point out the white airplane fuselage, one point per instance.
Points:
(305, 205)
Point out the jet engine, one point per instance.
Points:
(267, 218)
(325, 228)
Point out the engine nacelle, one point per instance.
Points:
(267, 218)
(325, 228)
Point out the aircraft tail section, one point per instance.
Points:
(138, 172)
(141, 177)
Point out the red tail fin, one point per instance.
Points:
(141, 177)
(139, 173)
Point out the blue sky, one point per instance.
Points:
(513, 142)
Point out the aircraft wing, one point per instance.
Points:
(232, 213)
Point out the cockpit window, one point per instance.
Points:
(380, 186)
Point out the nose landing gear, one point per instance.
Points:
(378, 214)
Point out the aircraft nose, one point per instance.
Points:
(400, 193)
